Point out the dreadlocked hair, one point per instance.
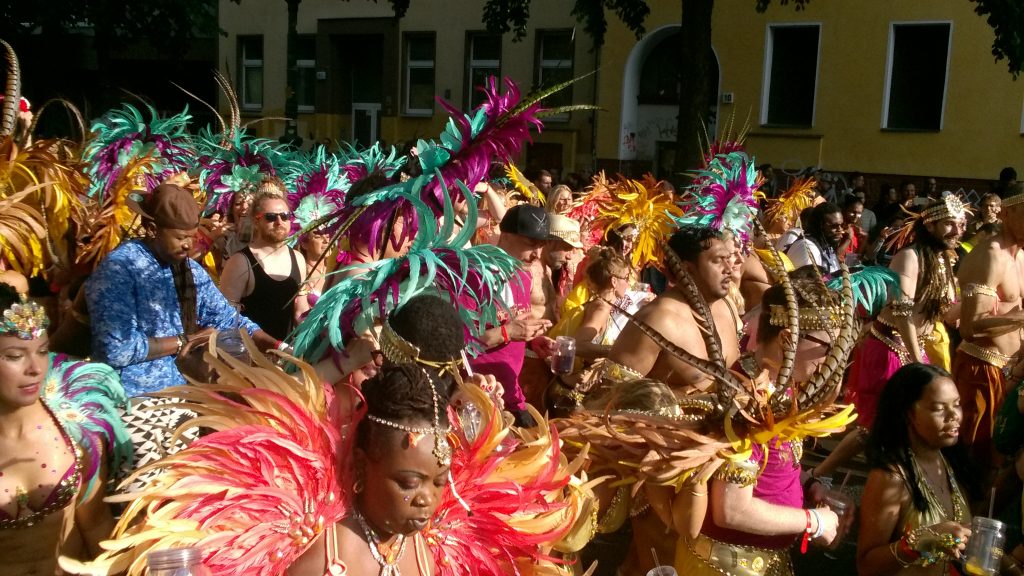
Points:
(888, 445)
(935, 264)
(400, 393)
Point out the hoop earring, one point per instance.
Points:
(357, 486)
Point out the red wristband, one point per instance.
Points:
(504, 335)
(807, 533)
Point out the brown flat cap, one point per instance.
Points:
(169, 206)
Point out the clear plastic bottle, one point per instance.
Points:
(471, 419)
(177, 562)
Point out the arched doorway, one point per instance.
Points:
(650, 99)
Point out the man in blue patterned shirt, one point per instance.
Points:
(150, 303)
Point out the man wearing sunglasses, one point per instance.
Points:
(264, 278)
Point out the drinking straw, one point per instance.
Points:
(655, 554)
(992, 502)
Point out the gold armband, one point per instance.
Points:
(980, 290)
(903, 307)
(742, 473)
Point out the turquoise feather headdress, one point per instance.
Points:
(472, 278)
(723, 196)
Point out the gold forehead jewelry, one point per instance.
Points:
(828, 317)
(951, 207)
(26, 320)
(442, 448)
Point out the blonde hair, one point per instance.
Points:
(642, 395)
(552, 198)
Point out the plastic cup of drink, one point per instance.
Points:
(642, 287)
(985, 547)
(662, 571)
(565, 355)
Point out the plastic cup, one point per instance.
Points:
(565, 355)
(985, 547)
(662, 571)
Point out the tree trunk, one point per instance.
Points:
(696, 57)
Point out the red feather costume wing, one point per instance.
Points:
(254, 494)
(517, 499)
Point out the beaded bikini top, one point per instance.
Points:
(62, 495)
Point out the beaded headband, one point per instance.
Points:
(951, 207)
(26, 320)
(824, 318)
(442, 448)
(400, 351)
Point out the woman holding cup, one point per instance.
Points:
(914, 512)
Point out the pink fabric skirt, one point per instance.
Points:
(873, 364)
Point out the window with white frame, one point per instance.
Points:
(483, 60)
(250, 55)
(305, 62)
(555, 50)
(917, 70)
(791, 75)
(419, 74)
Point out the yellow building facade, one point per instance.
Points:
(906, 88)
(903, 88)
(367, 76)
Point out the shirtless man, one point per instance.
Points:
(991, 277)
(707, 258)
(709, 261)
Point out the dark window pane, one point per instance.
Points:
(421, 47)
(421, 88)
(252, 47)
(478, 79)
(918, 80)
(557, 46)
(305, 91)
(551, 77)
(305, 48)
(253, 86)
(794, 70)
(660, 77)
(486, 47)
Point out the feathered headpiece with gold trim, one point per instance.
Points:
(643, 205)
(798, 197)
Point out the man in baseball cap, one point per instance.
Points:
(525, 232)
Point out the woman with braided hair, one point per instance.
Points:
(401, 463)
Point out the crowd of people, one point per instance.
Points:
(424, 361)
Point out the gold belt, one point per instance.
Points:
(993, 357)
(737, 560)
(896, 345)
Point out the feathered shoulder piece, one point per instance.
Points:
(125, 148)
(471, 278)
(254, 494)
(724, 195)
(798, 197)
(587, 210)
(319, 185)
(85, 397)
(639, 203)
(516, 496)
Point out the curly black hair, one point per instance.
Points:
(433, 325)
(400, 393)
(690, 241)
(8, 296)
